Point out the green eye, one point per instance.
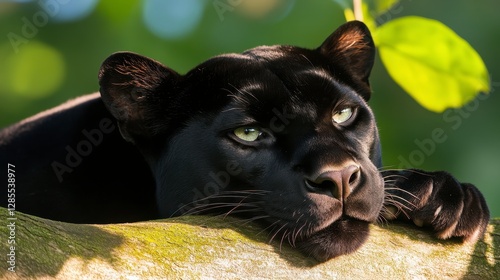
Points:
(248, 134)
(342, 115)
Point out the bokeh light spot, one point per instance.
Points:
(73, 10)
(172, 19)
(36, 71)
(273, 10)
(119, 14)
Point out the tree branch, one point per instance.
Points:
(197, 246)
(358, 9)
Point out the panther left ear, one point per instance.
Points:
(351, 46)
(137, 91)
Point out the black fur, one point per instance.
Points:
(279, 135)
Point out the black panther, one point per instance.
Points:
(279, 135)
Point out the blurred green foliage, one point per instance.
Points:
(47, 57)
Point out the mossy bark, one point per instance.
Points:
(200, 247)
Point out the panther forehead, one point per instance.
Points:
(307, 94)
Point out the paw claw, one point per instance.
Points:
(438, 210)
(390, 213)
(448, 232)
(474, 236)
(418, 222)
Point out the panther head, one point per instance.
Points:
(279, 135)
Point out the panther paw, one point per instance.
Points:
(436, 200)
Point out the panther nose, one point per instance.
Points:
(336, 183)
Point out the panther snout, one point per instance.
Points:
(336, 182)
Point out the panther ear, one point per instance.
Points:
(134, 88)
(352, 45)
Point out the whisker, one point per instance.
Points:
(390, 168)
(394, 187)
(392, 198)
(214, 206)
(253, 219)
(381, 219)
(415, 171)
(276, 233)
(203, 202)
(399, 205)
(237, 205)
(268, 227)
(285, 235)
(297, 232)
(394, 175)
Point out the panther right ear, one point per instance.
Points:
(134, 88)
(352, 46)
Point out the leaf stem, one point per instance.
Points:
(358, 10)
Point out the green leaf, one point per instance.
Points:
(432, 63)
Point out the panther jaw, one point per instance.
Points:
(344, 236)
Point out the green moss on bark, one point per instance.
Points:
(195, 247)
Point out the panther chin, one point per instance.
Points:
(342, 237)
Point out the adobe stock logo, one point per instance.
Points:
(426, 147)
(223, 6)
(75, 155)
(31, 26)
